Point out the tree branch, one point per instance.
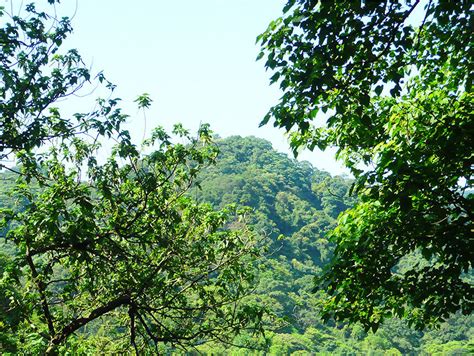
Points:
(42, 291)
(80, 322)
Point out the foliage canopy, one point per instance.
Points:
(115, 245)
(397, 104)
(288, 198)
(34, 75)
(128, 243)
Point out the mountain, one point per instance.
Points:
(293, 206)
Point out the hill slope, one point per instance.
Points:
(293, 206)
(300, 203)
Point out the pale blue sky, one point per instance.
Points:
(196, 59)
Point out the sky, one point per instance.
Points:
(196, 60)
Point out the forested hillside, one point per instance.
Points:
(294, 205)
(183, 242)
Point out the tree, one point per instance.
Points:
(397, 103)
(117, 244)
(35, 74)
(129, 247)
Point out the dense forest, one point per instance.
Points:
(292, 206)
(190, 243)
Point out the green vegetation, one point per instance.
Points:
(274, 187)
(128, 248)
(397, 104)
(296, 200)
(107, 256)
(35, 74)
(213, 245)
